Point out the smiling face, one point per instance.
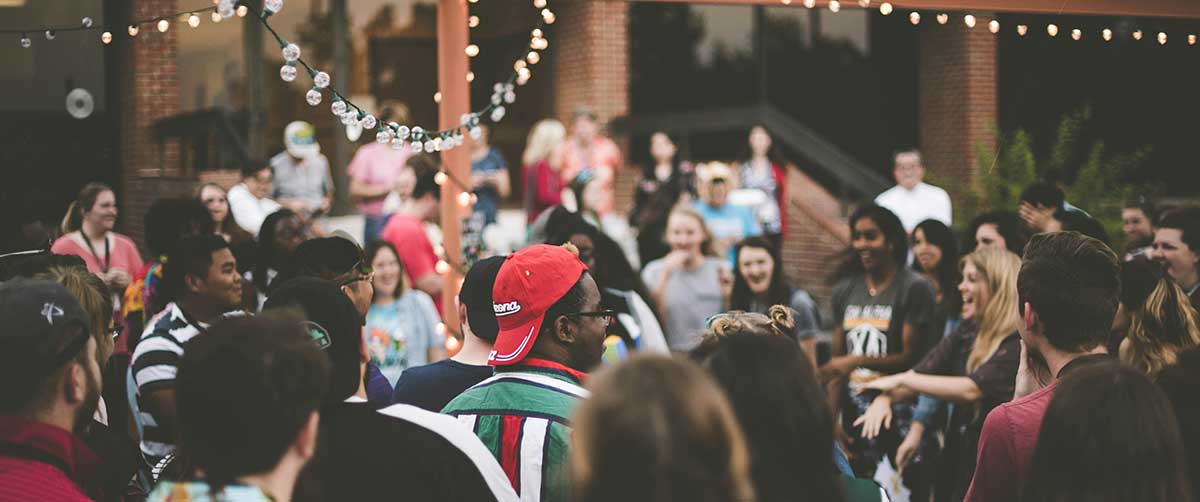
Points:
(684, 233)
(1135, 224)
(869, 243)
(214, 201)
(908, 170)
(387, 272)
(103, 213)
(222, 284)
(756, 266)
(927, 253)
(261, 183)
(974, 290)
(1177, 258)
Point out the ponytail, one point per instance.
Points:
(86, 199)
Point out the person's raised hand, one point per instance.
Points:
(909, 447)
(877, 418)
(886, 383)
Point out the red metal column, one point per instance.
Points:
(456, 100)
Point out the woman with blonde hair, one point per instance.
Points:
(1160, 320)
(658, 429)
(974, 367)
(690, 283)
(543, 162)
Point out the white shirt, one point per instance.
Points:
(249, 211)
(923, 202)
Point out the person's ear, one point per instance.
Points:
(564, 330)
(192, 283)
(306, 441)
(1029, 317)
(75, 383)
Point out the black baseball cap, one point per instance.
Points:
(333, 323)
(476, 296)
(36, 316)
(327, 257)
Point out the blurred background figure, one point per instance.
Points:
(373, 173)
(543, 162)
(666, 181)
(587, 150)
(489, 177)
(763, 172)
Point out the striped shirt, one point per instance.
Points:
(155, 362)
(522, 415)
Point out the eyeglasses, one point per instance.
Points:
(605, 315)
(116, 331)
(359, 272)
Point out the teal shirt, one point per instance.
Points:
(199, 491)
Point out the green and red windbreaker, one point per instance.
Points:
(522, 414)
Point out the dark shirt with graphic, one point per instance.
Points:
(873, 325)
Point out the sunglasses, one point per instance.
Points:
(359, 272)
(605, 315)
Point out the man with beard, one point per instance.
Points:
(51, 388)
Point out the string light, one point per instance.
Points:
(25, 41)
(885, 8)
(216, 17)
(533, 57)
(193, 20)
(49, 34)
(994, 26)
(472, 50)
(464, 198)
(1137, 35)
(163, 25)
(810, 3)
(914, 18)
(1022, 30)
(785, 2)
(133, 30)
(106, 37)
(969, 20)
(1191, 39)
(1052, 29)
(242, 10)
(470, 76)
(473, 21)
(437, 97)
(1106, 34)
(866, 4)
(1162, 38)
(442, 268)
(835, 6)
(440, 178)
(943, 18)
(1076, 34)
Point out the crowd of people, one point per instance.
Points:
(664, 355)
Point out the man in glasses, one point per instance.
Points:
(551, 333)
(51, 387)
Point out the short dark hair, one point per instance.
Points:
(1008, 225)
(1108, 435)
(329, 258)
(1181, 384)
(253, 167)
(425, 169)
(1073, 282)
(193, 256)
(1187, 221)
(1044, 193)
(170, 219)
(1084, 224)
(244, 391)
(1143, 204)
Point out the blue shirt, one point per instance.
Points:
(729, 223)
(487, 197)
(399, 335)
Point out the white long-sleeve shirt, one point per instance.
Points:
(922, 203)
(249, 211)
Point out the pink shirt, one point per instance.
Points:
(604, 158)
(1006, 445)
(123, 254)
(376, 164)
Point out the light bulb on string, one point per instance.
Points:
(273, 6)
(133, 30)
(1106, 34)
(473, 21)
(885, 8)
(242, 11)
(440, 178)
(313, 96)
(321, 80)
(810, 3)
(452, 345)
(1191, 39)
(163, 25)
(548, 16)
(864, 3)
(106, 37)
(338, 107)
(835, 6)
(1052, 30)
(287, 72)
(785, 2)
(368, 122)
(291, 52)
(50, 34)
(383, 137)
(1076, 34)
(994, 26)
(440, 328)
(25, 41)
(914, 18)
(193, 20)
(969, 20)
(533, 57)
(518, 64)
(437, 97)
(464, 199)
(470, 76)
(943, 18)
(472, 50)
(539, 4)
(216, 17)
(536, 33)
(1137, 34)
(1162, 38)
(1022, 30)
(86, 22)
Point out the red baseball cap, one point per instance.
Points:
(529, 282)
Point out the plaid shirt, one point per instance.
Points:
(522, 415)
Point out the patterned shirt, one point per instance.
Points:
(522, 415)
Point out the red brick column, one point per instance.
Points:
(956, 94)
(148, 90)
(815, 236)
(592, 65)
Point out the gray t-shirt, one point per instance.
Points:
(692, 296)
(874, 325)
(308, 180)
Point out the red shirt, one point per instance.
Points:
(416, 252)
(42, 462)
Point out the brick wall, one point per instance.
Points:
(956, 82)
(148, 90)
(815, 236)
